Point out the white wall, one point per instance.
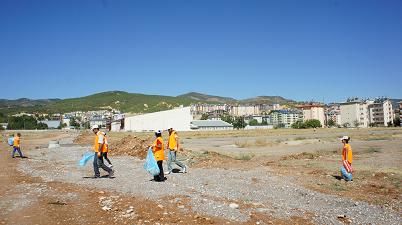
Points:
(179, 119)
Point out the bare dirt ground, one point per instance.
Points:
(237, 177)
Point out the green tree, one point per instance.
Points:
(239, 123)
(74, 123)
(25, 123)
(312, 123)
(204, 116)
(331, 123)
(86, 125)
(356, 123)
(397, 122)
(299, 125)
(253, 122)
(346, 125)
(227, 119)
(264, 122)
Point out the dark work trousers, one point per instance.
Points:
(161, 176)
(98, 162)
(16, 149)
(104, 154)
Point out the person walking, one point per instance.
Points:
(173, 147)
(347, 158)
(17, 146)
(106, 150)
(159, 154)
(99, 147)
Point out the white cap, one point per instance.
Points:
(345, 138)
(95, 127)
(169, 127)
(158, 132)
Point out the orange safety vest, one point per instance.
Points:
(347, 153)
(16, 141)
(172, 144)
(106, 143)
(159, 152)
(96, 142)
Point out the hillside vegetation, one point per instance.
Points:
(123, 101)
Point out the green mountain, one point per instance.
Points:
(267, 100)
(207, 98)
(123, 101)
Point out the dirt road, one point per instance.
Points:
(49, 188)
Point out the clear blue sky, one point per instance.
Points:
(303, 50)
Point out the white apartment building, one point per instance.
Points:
(355, 113)
(284, 117)
(381, 112)
(244, 110)
(313, 112)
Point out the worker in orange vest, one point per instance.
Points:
(159, 154)
(99, 147)
(347, 159)
(173, 147)
(17, 146)
(105, 150)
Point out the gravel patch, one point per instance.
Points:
(231, 194)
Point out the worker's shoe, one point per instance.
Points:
(184, 169)
(168, 172)
(111, 174)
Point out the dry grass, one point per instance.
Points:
(259, 142)
(244, 156)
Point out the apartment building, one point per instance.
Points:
(284, 118)
(313, 111)
(355, 113)
(381, 113)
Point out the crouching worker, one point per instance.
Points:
(159, 154)
(99, 147)
(347, 158)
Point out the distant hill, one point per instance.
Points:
(25, 102)
(207, 98)
(267, 100)
(124, 101)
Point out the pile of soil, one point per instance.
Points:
(132, 146)
(84, 138)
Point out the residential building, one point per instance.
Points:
(198, 109)
(210, 125)
(117, 122)
(245, 110)
(333, 112)
(97, 120)
(355, 113)
(400, 113)
(381, 113)
(284, 118)
(313, 111)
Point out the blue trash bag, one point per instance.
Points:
(11, 141)
(85, 158)
(150, 164)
